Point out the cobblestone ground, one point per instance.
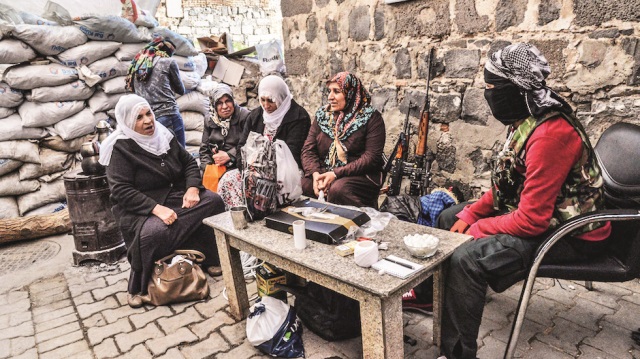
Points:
(83, 313)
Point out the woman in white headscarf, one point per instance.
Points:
(157, 192)
(279, 117)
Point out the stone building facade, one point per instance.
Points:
(593, 47)
(249, 22)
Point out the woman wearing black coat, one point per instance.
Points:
(279, 117)
(157, 192)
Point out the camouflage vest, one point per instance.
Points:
(581, 192)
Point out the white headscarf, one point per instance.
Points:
(127, 110)
(276, 89)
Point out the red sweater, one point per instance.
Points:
(545, 172)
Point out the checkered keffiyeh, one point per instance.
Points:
(525, 66)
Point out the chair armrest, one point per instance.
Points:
(577, 222)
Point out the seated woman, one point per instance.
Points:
(159, 201)
(222, 130)
(279, 117)
(342, 155)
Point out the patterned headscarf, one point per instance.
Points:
(525, 66)
(341, 124)
(127, 110)
(217, 94)
(142, 65)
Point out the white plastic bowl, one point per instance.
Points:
(421, 245)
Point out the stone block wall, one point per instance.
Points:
(249, 22)
(593, 48)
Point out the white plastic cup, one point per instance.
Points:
(366, 253)
(299, 235)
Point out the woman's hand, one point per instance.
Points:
(220, 158)
(460, 227)
(315, 176)
(325, 180)
(166, 214)
(191, 197)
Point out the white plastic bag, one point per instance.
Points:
(265, 319)
(289, 178)
(271, 57)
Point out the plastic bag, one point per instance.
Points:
(271, 57)
(273, 328)
(259, 176)
(212, 174)
(288, 175)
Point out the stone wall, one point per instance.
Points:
(249, 22)
(593, 47)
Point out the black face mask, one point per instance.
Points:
(507, 104)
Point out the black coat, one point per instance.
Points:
(293, 130)
(139, 180)
(212, 135)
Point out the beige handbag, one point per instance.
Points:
(180, 282)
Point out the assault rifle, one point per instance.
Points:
(421, 174)
(419, 169)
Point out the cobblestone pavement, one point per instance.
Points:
(83, 313)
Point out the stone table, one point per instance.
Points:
(380, 296)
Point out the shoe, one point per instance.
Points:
(214, 271)
(410, 302)
(134, 301)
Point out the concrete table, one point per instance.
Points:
(380, 296)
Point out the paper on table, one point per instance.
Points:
(396, 269)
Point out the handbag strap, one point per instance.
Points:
(190, 254)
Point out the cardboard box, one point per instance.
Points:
(323, 231)
(228, 72)
(267, 276)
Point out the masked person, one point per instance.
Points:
(155, 76)
(279, 117)
(342, 155)
(222, 130)
(157, 192)
(546, 174)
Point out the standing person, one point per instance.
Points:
(157, 192)
(279, 117)
(546, 174)
(342, 154)
(155, 76)
(222, 130)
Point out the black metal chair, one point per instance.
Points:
(618, 152)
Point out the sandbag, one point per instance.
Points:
(109, 67)
(192, 120)
(194, 101)
(14, 51)
(127, 52)
(8, 165)
(24, 151)
(146, 19)
(88, 53)
(114, 85)
(184, 46)
(76, 90)
(201, 63)
(80, 124)
(10, 15)
(190, 80)
(33, 19)
(51, 177)
(185, 63)
(41, 114)
(13, 129)
(51, 162)
(49, 40)
(8, 208)
(207, 86)
(27, 77)
(70, 146)
(101, 101)
(109, 28)
(193, 138)
(10, 185)
(46, 209)
(5, 112)
(48, 193)
(10, 97)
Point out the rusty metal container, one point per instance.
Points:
(94, 228)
